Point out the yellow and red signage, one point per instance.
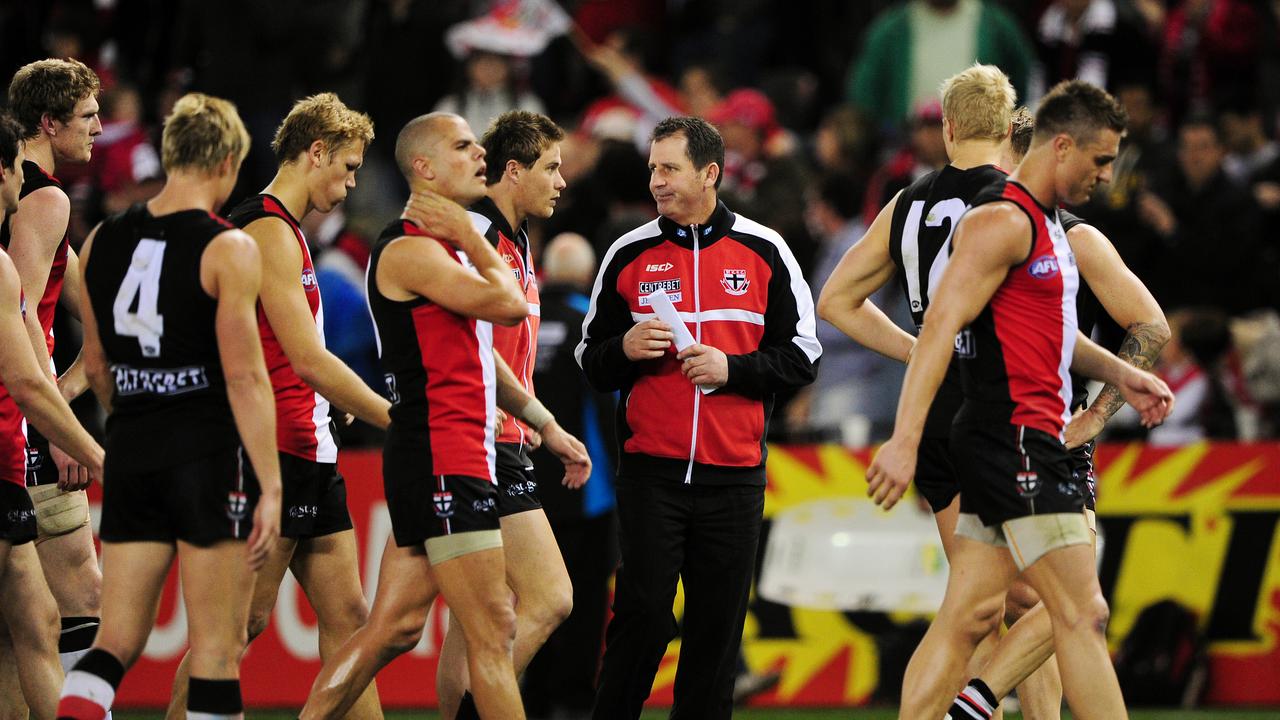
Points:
(1197, 524)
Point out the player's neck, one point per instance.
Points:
(1036, 174)
(40, 151)
(505, 201)
(290, 188)
(975, 153)
(185, 191)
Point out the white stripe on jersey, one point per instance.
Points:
(326, 448)
(484, 342)
(1070, 275)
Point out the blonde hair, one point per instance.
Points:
(978, 102)
(201, 132)
(320, 117)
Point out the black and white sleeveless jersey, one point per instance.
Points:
(156, 324)
(926, 214)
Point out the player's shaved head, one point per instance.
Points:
(418, 137)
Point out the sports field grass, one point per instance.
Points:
(780, 714)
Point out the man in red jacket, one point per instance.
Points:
(692, 423)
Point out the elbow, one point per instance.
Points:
(24, 391)
(512, 312)
(824, 306)
(1161, 334)
(246, 379)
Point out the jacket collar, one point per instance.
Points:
(488, 208)
(713, 229)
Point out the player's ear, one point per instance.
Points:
(513, 170)
(316, 153)
(1062, 144)
(48, 125)
(422, 166)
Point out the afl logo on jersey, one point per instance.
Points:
(1044, 267)
(309, 280)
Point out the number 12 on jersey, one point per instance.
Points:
(142, 286)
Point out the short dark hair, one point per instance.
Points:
(1079, 109)
(11, 137)
(517, 135)
(704, 144)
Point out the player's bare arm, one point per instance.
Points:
(230, 272)
(285, 302)
(417, 265)
(96, 367)
(72, 383)
(1131, 305)
(36, 233)
(865, 268)
(512, 398)
(30, 385)
(988, 241)
(1147, 393)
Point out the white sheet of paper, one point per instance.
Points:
(666, 312)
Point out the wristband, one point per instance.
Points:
(536, 414)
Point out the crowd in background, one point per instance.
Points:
(827, 108)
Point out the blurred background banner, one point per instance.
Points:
(1196, 524)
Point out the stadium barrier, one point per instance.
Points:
(1197, 524)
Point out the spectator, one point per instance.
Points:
(1210, 250)
(855, 395)
(491, 84)
(913, 46)
(762, 179)
(1090, 40)
(1209, 48)
(1249, 150)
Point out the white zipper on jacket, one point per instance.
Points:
(697, 337)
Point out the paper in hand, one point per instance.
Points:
(666, 312)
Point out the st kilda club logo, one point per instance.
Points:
(444, 504)
(237, 505)
(735, 281)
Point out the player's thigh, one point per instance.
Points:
(533, 563)
(474, 585)
(327, 568)
(25, 600)
(217, 586)
(71, 568)
(133, 575)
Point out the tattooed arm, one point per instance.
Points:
(1131, 305)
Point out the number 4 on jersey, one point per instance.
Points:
(142, 283)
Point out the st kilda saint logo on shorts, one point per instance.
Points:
(237, 505)
(1028, 483)
(735, 281)
(444, 504)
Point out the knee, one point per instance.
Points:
(552, 608)
(259, 619)
(1018, 602)
(350, 615)
(1090, 614)
(398, 635)
(496, 633)
(979, 620)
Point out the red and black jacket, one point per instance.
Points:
(738, 288)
